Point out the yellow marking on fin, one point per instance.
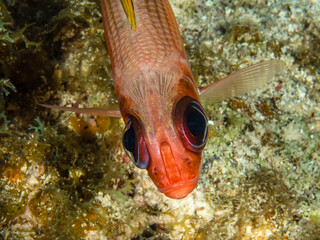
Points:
(128, 8)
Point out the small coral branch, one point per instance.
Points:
(6, 86)
(4, 124)
(41, 130)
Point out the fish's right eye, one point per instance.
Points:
(129, 139)
(134, 144)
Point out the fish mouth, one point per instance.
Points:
(181, 189)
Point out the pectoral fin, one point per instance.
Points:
(111, 111)
(241, 82)
(128, 8)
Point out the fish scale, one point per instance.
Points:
(155, 38)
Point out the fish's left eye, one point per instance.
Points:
(134, 144)
(191, 122)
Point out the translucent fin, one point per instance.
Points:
(128, 8)
(111, 112)
(242, 81)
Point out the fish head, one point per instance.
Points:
(166, 130)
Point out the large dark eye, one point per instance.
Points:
(191, 121)
(129, 139)
(134, 144)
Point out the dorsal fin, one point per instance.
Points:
(128, 8)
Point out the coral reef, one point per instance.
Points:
(66, 176)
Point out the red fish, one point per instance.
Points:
(166, 126)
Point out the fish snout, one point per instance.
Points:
(181, 189)
(175, 173)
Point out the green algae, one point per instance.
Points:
(52, 185)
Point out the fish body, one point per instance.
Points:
(151, 75)
(166, 126)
